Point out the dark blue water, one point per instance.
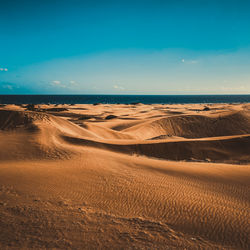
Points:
(125, 99)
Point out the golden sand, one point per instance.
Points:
(125, 176)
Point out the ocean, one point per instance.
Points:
(123, 99)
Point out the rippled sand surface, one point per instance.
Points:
(125, 176)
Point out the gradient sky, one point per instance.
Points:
(124, 47)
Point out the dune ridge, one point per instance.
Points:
(194, 126)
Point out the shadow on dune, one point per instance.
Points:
(231, 150)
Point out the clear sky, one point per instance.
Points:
(124, 47)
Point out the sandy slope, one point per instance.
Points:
(151, 176)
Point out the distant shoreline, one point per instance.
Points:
(123, 99)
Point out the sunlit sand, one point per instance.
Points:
(125, 176)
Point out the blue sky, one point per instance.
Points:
(125, 47)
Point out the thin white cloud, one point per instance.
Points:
(234, 88)
(189, 61)
(118, 87)
(72, 82)
(56, 82)
(193, 62)
(8, 87)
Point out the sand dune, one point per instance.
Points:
(151, 176)
(34, 135)
(194, 126)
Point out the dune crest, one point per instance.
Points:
(194, 126)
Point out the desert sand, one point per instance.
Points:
(125, 176)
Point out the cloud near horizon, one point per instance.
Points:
(3, 69)
(118, 87)
(189, 61)
(56, 82)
